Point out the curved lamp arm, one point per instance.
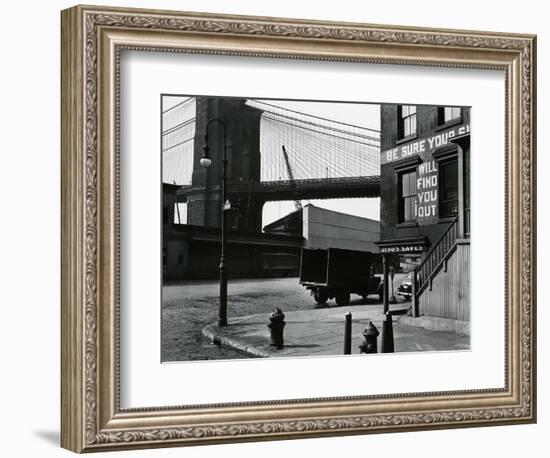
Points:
(205, 160)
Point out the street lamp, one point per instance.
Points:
(206, 162)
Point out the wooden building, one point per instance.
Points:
(425, 203)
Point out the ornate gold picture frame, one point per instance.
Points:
(92, 40)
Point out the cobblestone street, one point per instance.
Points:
(188, 307)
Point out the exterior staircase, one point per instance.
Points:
(442, 280)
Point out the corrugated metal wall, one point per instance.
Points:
(450, 293)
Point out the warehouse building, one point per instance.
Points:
(192, 252)
(323, 228)
(425, 203)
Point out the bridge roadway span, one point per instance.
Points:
(317, 188)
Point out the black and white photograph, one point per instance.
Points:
(244, 228)
(303, 228)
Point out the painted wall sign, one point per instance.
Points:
(417, 147)
(426, 192)
(401, 249)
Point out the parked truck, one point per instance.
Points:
(338, 273)
(279, 264)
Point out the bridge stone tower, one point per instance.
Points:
(242, 123)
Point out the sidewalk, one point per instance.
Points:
(321, 332)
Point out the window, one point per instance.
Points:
(448, 188)
(407, 120)
(407, 196)
(180, 259)
(448, 114)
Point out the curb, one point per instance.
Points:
(209, 331)
(437, 324)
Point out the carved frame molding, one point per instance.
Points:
(92, 39)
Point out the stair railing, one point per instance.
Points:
(436, 257)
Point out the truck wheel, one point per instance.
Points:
(342, 299)
(320, 297)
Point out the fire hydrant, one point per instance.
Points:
(276, 326)
(370, 345)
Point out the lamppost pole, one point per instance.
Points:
(206, 162)
(386, 280)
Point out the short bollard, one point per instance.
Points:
(387, 334)
(370, 345)
(347, 334)
(276, 326)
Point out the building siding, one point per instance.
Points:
(449, 296)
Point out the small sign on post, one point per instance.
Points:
(393, 300)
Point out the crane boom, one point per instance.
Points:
(297, 202)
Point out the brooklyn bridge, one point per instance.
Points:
(274, 154)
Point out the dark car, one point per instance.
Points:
(405, 288)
